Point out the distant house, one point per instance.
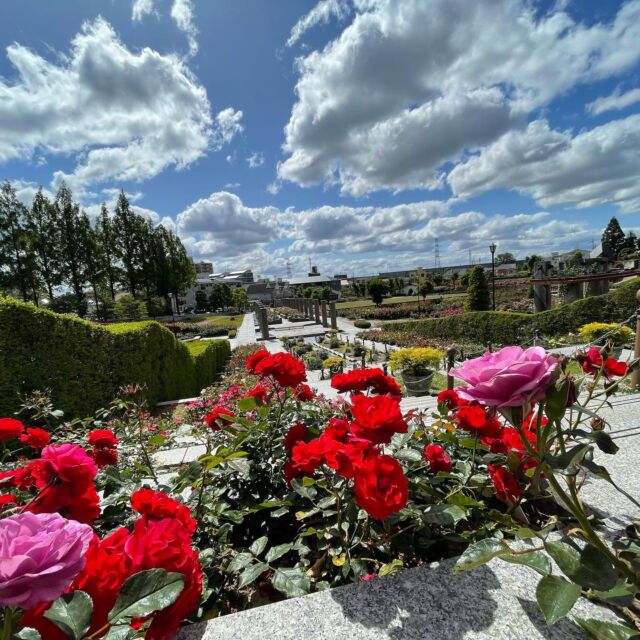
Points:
(506, 269)
(261, 292)
(317, 280)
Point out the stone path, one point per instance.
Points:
(246, 333)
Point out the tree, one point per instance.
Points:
(576, 259)
(240, 298)
(325, 293)
(226, 295)
(73, 250)
(109, 248)
(377, 289)
(44, 228)
(18, 269)
(202, 304)
(155, 306)
(613, 236)
(505, 258)
(93, 258)
(530, 261)
(425, 288)
(478, 291)
(216, 297)
(438, 279)
(128, 308)
(631, 245)
(127, 232)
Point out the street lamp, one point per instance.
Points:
(492, 248)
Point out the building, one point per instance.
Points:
(505, 269)
(315, 279)
(202, 266)
(261, 292)
(244, 277)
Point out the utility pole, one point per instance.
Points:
(635, 376)
(492, 248)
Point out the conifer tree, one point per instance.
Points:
(613, 236)
(478, 298)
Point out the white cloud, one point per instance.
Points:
(614, 102)
(228, 126)
(256, 159)
(410, 85)
(126, 115)
(231, 185)
(140, 9)
(594, 167)
(182, 14)
(322, 13)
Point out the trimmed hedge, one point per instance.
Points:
(84, 364)
(513, 328)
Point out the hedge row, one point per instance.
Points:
(512, 328)
(84, 365)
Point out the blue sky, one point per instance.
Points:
(351, 133)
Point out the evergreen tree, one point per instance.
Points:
(127, 235)
(18, 269)
(377, 289)
(108, 249)
(478, 298)
(73, 250)
(44, 228)
(631, 245)
(93, 259)
(613, 236)
(425, 288)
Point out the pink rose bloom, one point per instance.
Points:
(69, 462)
(511, 377)
(40, 555)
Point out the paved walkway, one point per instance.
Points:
(246, 333)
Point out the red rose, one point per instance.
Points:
(376, 418)
(449, 398)
(438, 460)
(592, 362)
(303, 393)
(474, 418)
(259, 392)
(345, 458)
(157, 505)
(214, 420)
(307, 456)
(361, 379)
(103, 438)
(286, 370)
(76, 502)
(380, 487)
(10, 428)
(104, 457)
(6, 500)
(254, 359)
(35, 438)
(297, 433)
(505, 483)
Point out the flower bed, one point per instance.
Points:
(296, 493)
(432, 308)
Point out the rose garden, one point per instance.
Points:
(284, 478)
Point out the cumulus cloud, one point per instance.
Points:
(322, 13)
(614, 102)
(126, 115)
(256, 159)
(594, 167)
(140, 9)
(411, 85)
(182, 14)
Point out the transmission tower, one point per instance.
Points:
(289, 273)
(436, 258)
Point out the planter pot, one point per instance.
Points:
(417, 385)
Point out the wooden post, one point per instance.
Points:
(451, 360)
(635, 376)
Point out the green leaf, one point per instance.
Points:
(411, 455)
(604, 442)
(251, 573)
(259, 545)
(571, 458)
(556, 596)
(240, 561)
(537, 560)
(72, 613)
(391, 567)
(278, 551)
(443, 514)
(27, 633)
(157, 440)
(146, 592)
(480, 553)
(556, 399)
(246, 404)
(587, 566)
(604, 630)
(291, 582)
(464, 501)
(119, 632)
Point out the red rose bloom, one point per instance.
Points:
(361, 379)
(254, 359)
(103, 438)
(35, 438)
(474, 418)
(303, 393)
(380, 488)
(591, 362)
(10, 428)
(505, 483)
(376, 418)
(214, 420)
(297, 433)
(449, 398)
(68, 463)
(286, 370)
(307, 456)
(259, 392)
(75, 502)
(104, 457)
(438, 460)
(6, 500)
(347, 457)
(157, 505)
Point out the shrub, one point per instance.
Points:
(209, 358)
(313, 361)
(417, 360)
(84, 365)
(362, 324)
(477, 291)
(594, 330)
(334, 364)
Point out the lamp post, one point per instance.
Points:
(492, 248)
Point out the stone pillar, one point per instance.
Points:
(263, 323)
(334, 315)
(572, 292)
(316, 311)
(541, 292)
(324, 314)
(310, 309)
(597, 287)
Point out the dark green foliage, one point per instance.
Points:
(362, 324)
(613, 236)
(505, 258)
(84, 364)
(516, 328)
(425, 288)
(478, 298)
(377, 289)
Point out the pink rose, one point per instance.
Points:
(40, 555)
(511, 377)
(69, 463)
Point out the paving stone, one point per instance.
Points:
(178, 456)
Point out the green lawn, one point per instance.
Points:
(233, 321)
(394, 300)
